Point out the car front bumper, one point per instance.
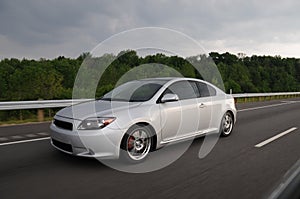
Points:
(103, 143)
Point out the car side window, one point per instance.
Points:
(184, 90)
(206, 90)
(212, 91)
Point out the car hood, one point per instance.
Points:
(96, 108)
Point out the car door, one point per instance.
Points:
(180, 118)
(205, 104)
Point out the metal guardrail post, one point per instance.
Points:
(40, 115)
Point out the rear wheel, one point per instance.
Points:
(136, 144)
(226, 124)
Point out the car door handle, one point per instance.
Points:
(201, 105)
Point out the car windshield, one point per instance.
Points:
(134, 91)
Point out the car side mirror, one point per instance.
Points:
(170, 97)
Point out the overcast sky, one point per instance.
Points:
(50, 28)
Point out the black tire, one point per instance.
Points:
(226, 126)
(136, 144)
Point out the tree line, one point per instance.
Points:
(54, 79)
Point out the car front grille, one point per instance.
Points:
(63, 146)
(63, 124)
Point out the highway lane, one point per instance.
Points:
(234, 168)
(12, 133)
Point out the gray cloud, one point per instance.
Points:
(34, 28)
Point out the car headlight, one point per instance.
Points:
(95, 123)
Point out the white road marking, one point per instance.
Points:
(43, 133)
(267, 106)
(28, 123)
(15, 137)
(24, 141)
(3, 138)
(31, 135)
(291, 101)
(275, 137)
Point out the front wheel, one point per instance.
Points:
(136, 144)
(226, 124)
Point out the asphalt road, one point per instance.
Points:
(235, 168)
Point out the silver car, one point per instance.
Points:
(141, 116)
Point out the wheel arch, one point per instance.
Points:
(232, 114)
(154, 140)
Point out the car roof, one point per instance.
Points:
(174, 79)
(168, 79)
(159, 78)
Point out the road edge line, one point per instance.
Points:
(261, 107)
(24, 141)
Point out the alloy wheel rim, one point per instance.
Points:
(227, 124)
(138, 144)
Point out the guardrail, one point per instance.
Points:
(250, 97)
(247, 95)
(41, 104)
